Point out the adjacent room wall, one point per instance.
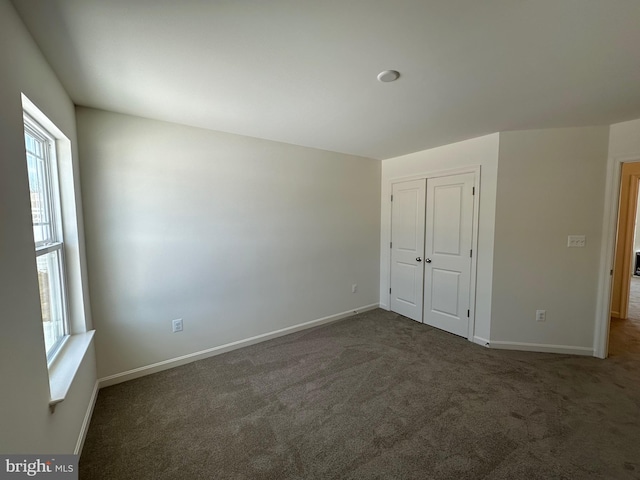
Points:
(235, 235)
(481, 151)
(27, 426)
(550, 185)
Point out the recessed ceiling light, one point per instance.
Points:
(388, 76)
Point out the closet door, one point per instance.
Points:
(448, 256)
(407, 248)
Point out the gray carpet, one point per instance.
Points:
(375, 396)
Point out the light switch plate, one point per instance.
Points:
(576, 241)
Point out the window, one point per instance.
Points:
(47, 232)
(58, 243)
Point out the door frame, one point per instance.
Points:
(476, 170)
(623, 251)
(607, 252)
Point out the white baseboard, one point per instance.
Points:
(540, 347)
(385, 307)
(210, 352)
(481, 341)
(87, 419)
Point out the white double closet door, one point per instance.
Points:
(431, 250)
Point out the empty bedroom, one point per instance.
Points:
(318, 240)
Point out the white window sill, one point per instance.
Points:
(65, 366)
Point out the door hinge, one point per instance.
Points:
(392, 198)
(471, 253)
(473, 190)
(468, 313)
(390, 244)
(389, 290)
(610, 272)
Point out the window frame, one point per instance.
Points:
(55, 241)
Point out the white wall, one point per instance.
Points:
(27, 426)
(550, 185)
(237, 236)
(624, 139)
(481, 151)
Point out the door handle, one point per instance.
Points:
(418, 259)
(427, 260)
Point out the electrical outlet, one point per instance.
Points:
(354, 288)
(541, 315)
(576, 241)
(176, 325)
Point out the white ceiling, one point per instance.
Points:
(304, 71)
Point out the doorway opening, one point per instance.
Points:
(633, 306)
(624, 324)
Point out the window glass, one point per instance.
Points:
(49, 246)
(39, 189)
(51, 298)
